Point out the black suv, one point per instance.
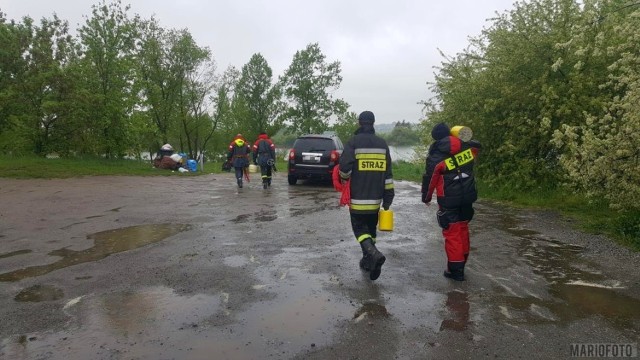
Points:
(314, 156)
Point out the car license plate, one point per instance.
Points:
(310, 157)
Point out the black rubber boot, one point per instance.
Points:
(363, 265)
(455, 271)
(363, 262)
(372, 259)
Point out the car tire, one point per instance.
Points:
(292, 179)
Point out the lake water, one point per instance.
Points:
(405, 153)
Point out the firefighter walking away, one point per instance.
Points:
(366, 162)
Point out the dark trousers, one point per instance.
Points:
(364, 226)
(239, 172)
(265, 171)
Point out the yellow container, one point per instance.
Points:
(462, 132)
(385, 220)
(253, 168)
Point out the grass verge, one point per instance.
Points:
(40, 168)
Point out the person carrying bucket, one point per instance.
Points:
(449, 172)
(238, 156)
(366, 162)
(264, 155)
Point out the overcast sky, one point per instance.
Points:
(387, 49)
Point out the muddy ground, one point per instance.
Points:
(194, 268)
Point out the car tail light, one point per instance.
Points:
(292, 155)
(335, 156)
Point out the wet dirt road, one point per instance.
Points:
(193, 268)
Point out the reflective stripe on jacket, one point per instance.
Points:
(367, 162)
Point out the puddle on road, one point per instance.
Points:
(38, 293)
(458, 306)
(15, 253)
(242, 218)
(302, 313)
(161, 307)
(105, 243)
(138, 321)
(373, 311)
(578, 287)
(262, 216)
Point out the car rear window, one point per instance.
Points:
(313, 144)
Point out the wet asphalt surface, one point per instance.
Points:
(195, 268)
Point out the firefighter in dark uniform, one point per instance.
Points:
(449, 172)
(238, 156)
(264, 154)
(367, 162)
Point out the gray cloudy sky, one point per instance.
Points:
(387, 49)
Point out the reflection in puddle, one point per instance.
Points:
(301, 314)
(577, 302)
(372, 310)
(578, 287)
(38, 293)
(458, 306)
(105, 243)
(130, 312)
(145, 323)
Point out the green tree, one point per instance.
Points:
(600, 154)
(52, 86)
(346, 126)
(108, 68)
(194, 70)
(308, 85)
(159, 85)
(509, 87)
(403, 134)
(261, 97)
(15, 40)
(40, 95)
(224, 112)
(551, 90)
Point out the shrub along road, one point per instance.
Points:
(114, 267)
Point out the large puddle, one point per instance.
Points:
(105, 243)
(577, 287)
(156, 319)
